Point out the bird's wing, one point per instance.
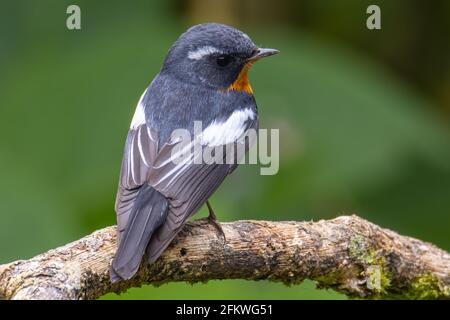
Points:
(187, 184)
(141, 148)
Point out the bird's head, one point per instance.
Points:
(214, 55)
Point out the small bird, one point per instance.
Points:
(203, 78)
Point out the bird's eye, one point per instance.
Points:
(224, 60)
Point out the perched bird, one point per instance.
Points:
(203, 78)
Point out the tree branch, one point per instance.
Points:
(348, 254)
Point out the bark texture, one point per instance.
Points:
(347, 254)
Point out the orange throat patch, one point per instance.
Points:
(242, 83)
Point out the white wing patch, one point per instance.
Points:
(216, 134)
(201, 52)
(139, 114)
(228, 131)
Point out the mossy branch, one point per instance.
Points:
(347, 254)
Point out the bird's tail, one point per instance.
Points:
(148, 213)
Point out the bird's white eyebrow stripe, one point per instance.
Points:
(246, 36)
(201, 52)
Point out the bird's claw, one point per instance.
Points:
(217, 225)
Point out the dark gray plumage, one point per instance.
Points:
(148, 213)
(157, 196)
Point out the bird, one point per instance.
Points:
(204, 77)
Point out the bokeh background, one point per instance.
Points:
(363, 118)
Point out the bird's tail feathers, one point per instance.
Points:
(148, 213)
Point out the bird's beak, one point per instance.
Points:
(261, 53)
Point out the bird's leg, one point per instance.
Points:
(212, 215)
(213, 219)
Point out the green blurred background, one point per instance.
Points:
(363, 118)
